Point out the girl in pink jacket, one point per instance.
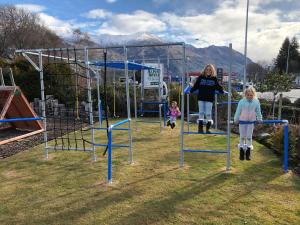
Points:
(173, 113)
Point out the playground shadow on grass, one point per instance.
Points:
(147, 139)
(81, 206)
(157, 210)
(255, 177)
(74, 206)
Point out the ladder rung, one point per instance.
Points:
(206, 151)
(220, 133)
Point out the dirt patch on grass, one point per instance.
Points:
(15, 147)
(12, 174)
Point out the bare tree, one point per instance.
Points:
(256, 72)
(22, 29)
(81, 38)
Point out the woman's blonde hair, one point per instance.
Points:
(250, 90)
(213, 70)
(174, 103)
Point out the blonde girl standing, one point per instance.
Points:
(206, 84)
(248, 110)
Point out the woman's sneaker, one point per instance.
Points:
(242, 154)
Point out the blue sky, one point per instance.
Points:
(198, 22)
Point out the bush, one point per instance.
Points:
(298, 146)
(27, 78)
(277, 141)
(285, 101)
(297, 103)
(290, 113)
(3, 62)
(58, 79)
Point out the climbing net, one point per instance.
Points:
(67, 105)
(65, 102)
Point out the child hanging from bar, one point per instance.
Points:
(206, 84)
(173, 113)
(248, 110)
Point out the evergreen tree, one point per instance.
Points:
(280, 61)
(288, 49)
(294, 57)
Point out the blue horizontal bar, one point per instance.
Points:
(264, 122)
(275, 121)
(207, 151)
(221, 133)
(154, 103)
(194, 114)
(119, 123)
(114, 145)
(113, 128)
(226, 103)
(145, 121)
(148, 111)
(19, 119)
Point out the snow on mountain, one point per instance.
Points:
(107, 39)
(197, 58)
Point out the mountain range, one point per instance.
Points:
(197, 58)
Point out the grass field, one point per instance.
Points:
(70, 188)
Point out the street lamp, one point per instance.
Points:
(287, 58)
(245, 49)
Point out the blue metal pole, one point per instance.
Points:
(265, 122)
(19, 119)
(119, 123)
(188, 111)
(286, 148)
(109, 158)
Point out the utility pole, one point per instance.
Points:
(245, 49)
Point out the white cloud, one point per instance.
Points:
(139, 21)
(266, 30)
(225, 24)
(111, 1)
(292, 15)
(62, 28)
(97, 14)
(31, 7)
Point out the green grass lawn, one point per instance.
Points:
(70, 188)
